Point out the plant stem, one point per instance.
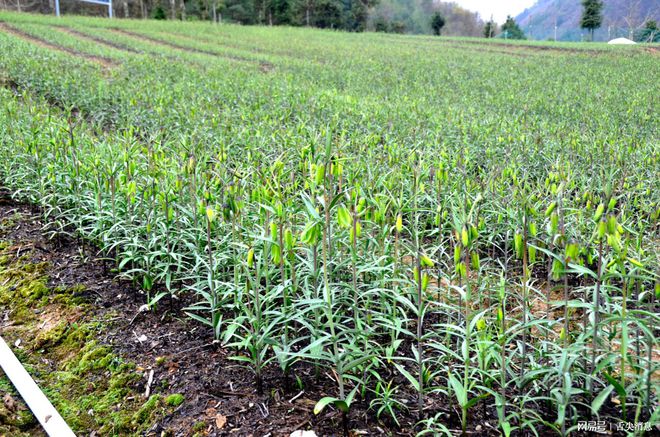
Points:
(525, 279)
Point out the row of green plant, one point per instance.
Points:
(486, 246)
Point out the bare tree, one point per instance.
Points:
(634, 19)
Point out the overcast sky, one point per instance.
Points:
(499, 9)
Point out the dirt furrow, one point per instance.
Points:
(264, 66)
(96, 39)
(104, 62)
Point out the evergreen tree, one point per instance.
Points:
(242, 11)
(159, 13)
(356, 13)
(328, 14)
(437, 23)
(650, 32)
(511, 30)
(490, 29)
(380, 24)
(281, 11)
(592, 15)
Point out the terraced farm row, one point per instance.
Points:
(389, 234)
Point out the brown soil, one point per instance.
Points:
(104, 62)
(511, 48)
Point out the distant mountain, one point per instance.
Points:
(620, 18)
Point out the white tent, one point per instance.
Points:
(621, 41)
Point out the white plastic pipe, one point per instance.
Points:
(38, 403)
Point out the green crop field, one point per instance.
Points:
(454, 235)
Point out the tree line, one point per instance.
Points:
(348, 15)
(398, 16)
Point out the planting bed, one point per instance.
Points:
(88, 345)
(225, 230)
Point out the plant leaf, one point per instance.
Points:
(461, 395)
(324, 402)
(602, 396)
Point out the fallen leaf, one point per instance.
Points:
(220, 421)
(9, 402)
(306, 402)
(211, 412)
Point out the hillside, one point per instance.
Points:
(619, 17)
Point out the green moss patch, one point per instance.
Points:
(93, 388)
(174, 400)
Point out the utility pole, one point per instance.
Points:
(57, 8)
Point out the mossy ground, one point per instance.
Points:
(93, 388)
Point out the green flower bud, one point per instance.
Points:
(250, 258)
(599, 212)
(426, 261)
